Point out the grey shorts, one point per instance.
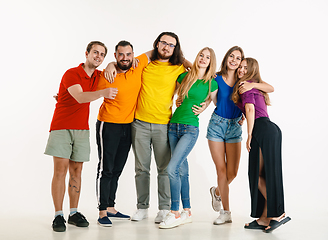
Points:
(69, 144)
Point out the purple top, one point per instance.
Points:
(254, 97)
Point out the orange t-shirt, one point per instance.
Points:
(69, 114)
(122, 108)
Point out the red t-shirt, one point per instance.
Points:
(69, 114)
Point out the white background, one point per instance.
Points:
(40, 40)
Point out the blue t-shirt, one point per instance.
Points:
(225, 107)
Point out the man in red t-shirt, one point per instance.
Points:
(68, 141)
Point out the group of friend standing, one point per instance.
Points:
(137, 111)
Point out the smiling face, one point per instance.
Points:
(96, 56)
(204, 59)
(124, 57)
(234, 60)
(166, 47)
(242, 70)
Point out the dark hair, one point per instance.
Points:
(177, 56)
(224, 66)
(123, 43)
(96, 43)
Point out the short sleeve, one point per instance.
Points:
(248, 97)
(143, 60)
(181, 77)
(70, 78)
(214, 85)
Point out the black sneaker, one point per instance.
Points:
(78, 220)
(58, 225)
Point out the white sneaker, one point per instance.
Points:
(216, 200)
(224, 217)
(140, 214)
(170, 221)
(186, 217)
(161, 215)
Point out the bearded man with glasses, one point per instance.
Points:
(150, 127)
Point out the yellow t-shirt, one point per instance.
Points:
(156, 94)
(122, 108)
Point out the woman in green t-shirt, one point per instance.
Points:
(194, 87)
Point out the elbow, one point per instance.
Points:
(249, 109)
(79, 100)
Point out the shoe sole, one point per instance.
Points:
(176, 224)
(117, 218)
(104, 225)
(59, 229)
(213, 197)
(79, 225)
(137, 220)
(230, 221)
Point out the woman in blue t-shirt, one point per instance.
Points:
(224, 131)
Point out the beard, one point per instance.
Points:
(163, 56)
(124, 67)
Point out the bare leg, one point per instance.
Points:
(58, 182)
(233, 151)
(226, 157)
(75, 169)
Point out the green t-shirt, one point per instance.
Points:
(196, 95)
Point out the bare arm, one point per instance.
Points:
(110, 72)
(214, 96)
(148, 54)
(250, 116)
(187, 64)
(246, 86)
(84, 97)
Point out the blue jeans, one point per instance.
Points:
(182, 139)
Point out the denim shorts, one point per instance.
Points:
(224, 130)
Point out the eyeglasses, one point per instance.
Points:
(167, 44)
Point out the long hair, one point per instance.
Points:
(177, 56)
(224, 66)
(253, 74)
(192, 75)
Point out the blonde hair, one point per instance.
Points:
(192, 75)
(253, 74)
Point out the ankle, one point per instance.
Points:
(72, 211)
(176, 213)
(59, 213)
(111, 210)
(102, 213)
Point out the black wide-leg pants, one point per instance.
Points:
(266, 136)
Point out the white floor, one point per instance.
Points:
(39, 227)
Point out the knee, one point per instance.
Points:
(231, 176)
(75, 170)
(184, 172)
(60, 171)
(171, 171)
(221, 172)
(261, 182)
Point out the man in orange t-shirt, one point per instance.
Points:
(114, 129)
(68, 141)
